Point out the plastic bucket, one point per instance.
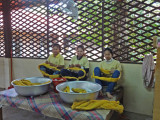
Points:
(57, 81)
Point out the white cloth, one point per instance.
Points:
(148, 68)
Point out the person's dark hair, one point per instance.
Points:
(82, 47)
(108, 49)
(57, 45)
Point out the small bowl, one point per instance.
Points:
(57, 81)
(91, 88)
(35, 89)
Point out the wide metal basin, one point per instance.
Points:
(33, 90)
(91, 88)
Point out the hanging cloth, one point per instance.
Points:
(148, 68)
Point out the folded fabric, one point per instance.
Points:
(98, 104)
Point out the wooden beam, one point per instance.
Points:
(7, 27)
(156, 106)
(154, 41)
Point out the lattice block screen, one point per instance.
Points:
(126, 26)
(87, 30)
(129, 27)
(29, 28)
(2, 46)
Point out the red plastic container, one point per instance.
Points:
(57, 81)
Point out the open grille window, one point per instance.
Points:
(126, 26)
(29, 28)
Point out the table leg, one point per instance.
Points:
(1, 117)
(108, 117)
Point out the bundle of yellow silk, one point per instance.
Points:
(76, 69)
(76, 90)
(24, 82)
(108, 79)
(79, 90)
(67, 89)
(50, 67)
(98, 104)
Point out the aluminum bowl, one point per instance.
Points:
(35, 89)
(91, 88)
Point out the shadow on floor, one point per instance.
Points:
(10, 113)
(130, 116)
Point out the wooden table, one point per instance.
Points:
(48, 104)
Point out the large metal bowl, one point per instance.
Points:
(33, 90)
(91, 88)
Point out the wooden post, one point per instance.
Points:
(1, 117)
(154, 42)
(156, 106)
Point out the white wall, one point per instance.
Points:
(2, 78)
(5, 75)
(136, 97)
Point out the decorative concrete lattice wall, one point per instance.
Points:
(126, 26)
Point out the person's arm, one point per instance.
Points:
(51, 64)
(60, 66)
(119, 67)
(71, 63)
(100, 65)
(61, 63)
(77, 65)
(48, 61)
(86, 63)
